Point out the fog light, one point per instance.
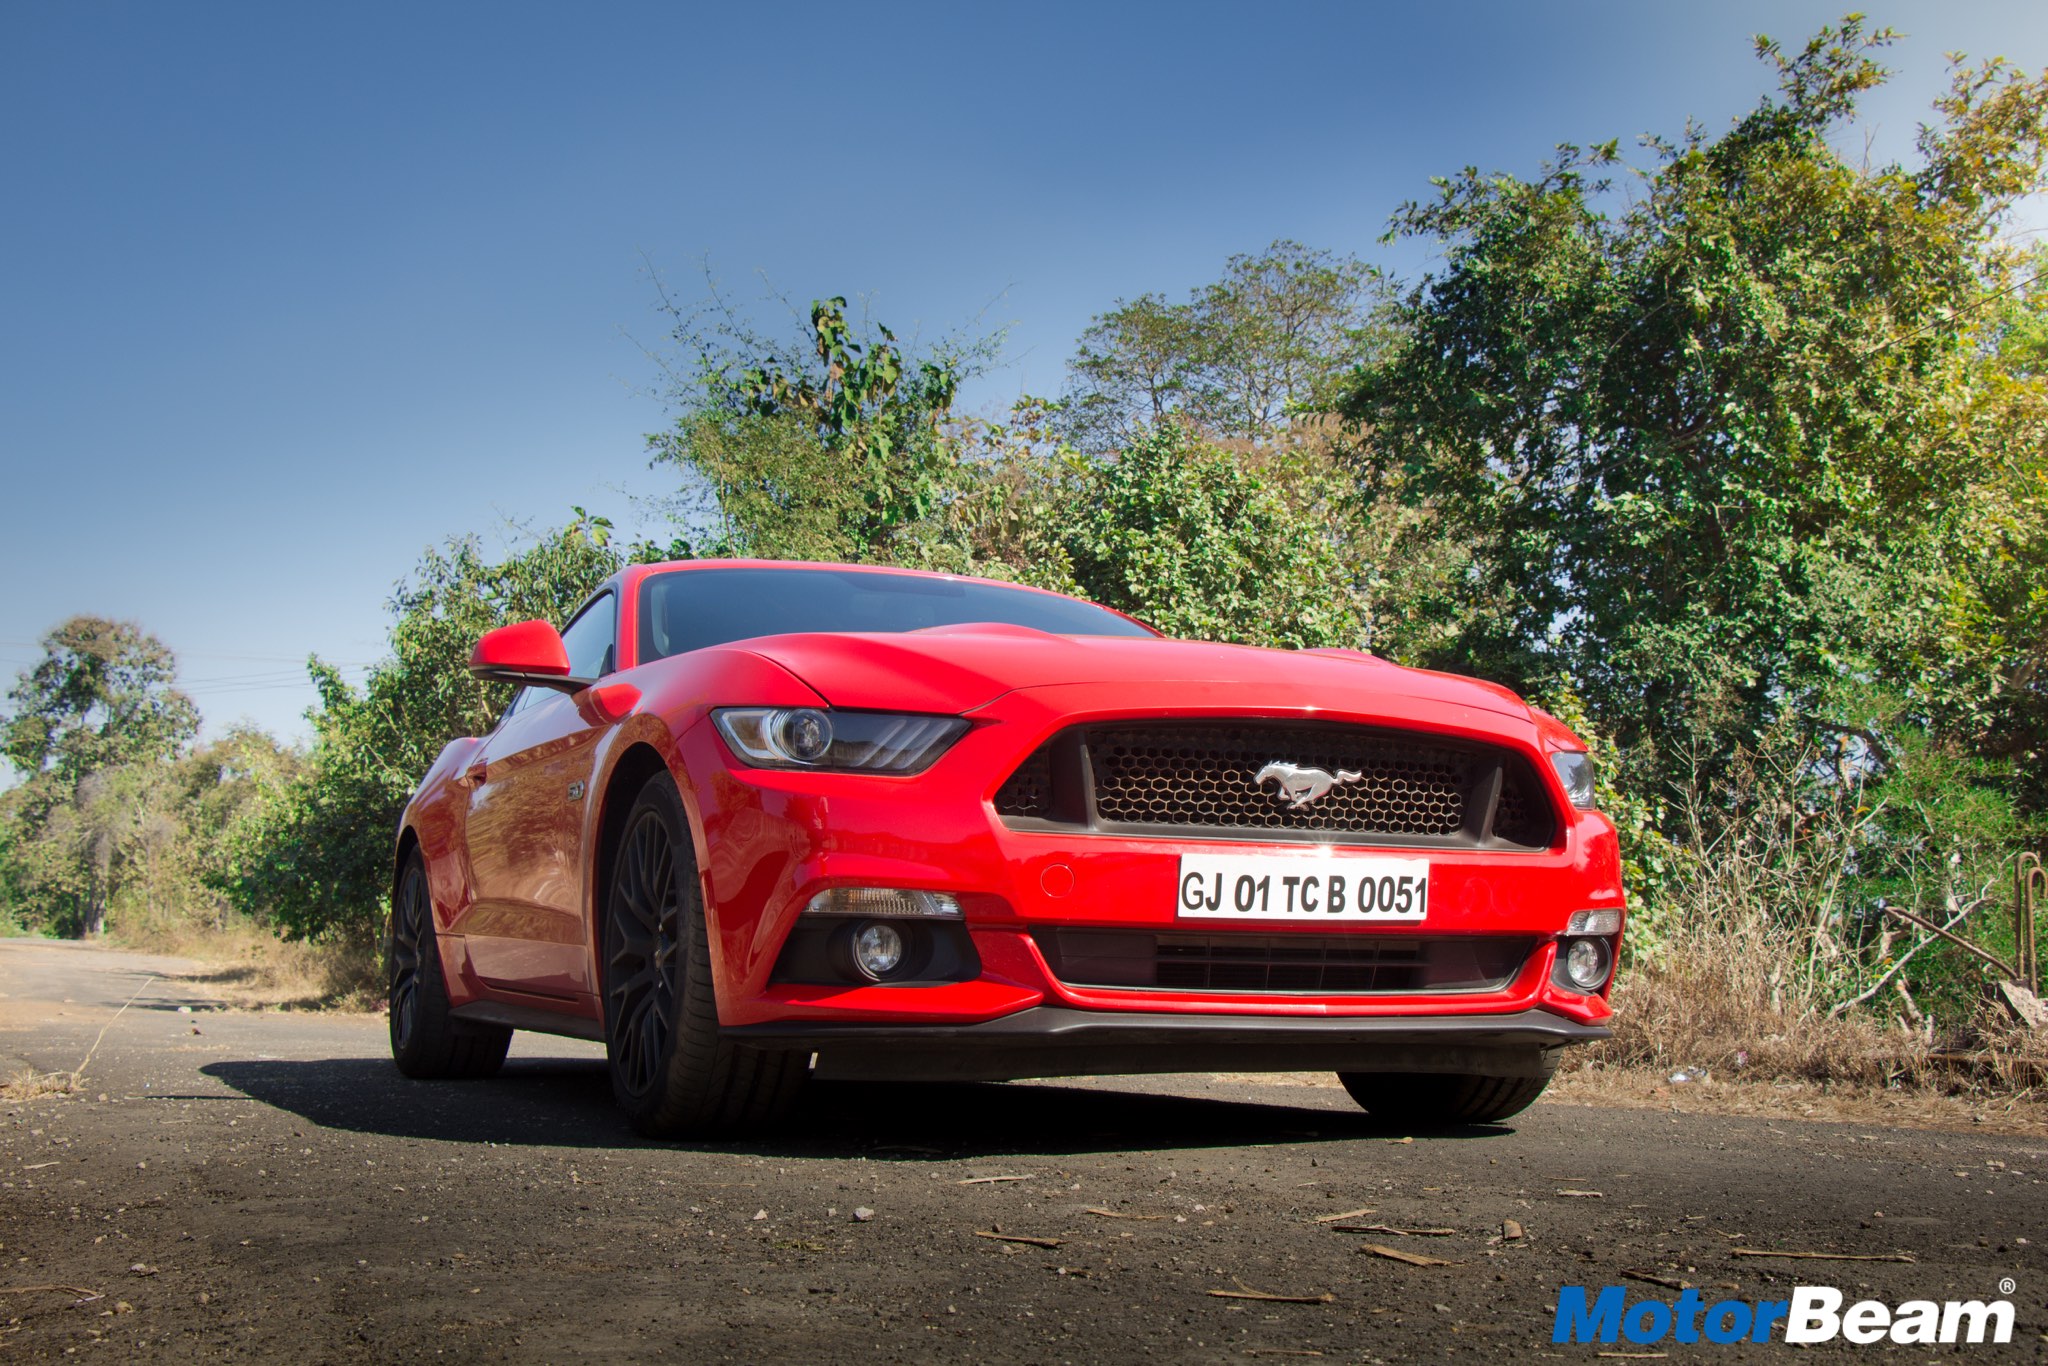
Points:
(890, 901)
(877, 949)
(1594, 922)
(1585, 962)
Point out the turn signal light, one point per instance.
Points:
(883, 901)
(1594, 922)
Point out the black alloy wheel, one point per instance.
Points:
(673, 1072)
(426, 1040)
(640, 953)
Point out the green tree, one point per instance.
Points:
(1241, 358)
(102, 694)
(1173, 530)
(87, 725)
(313, 853)
(1986, 666)
(835, 449)
(1701, 439)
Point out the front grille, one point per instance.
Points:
(1327, 964)
(1201, 778)
(1207, 775)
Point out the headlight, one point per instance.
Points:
(1575, 771)
(860, 741)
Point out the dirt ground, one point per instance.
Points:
(264, 1186)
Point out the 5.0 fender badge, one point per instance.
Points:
(1300, 786)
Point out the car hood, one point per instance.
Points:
(956, 669)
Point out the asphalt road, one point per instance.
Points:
(266, 1186)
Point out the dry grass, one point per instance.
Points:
(28, 1084)
(249, 968)
(2022, 1114)
(1714, 1021)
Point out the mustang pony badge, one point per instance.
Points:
(1300, 786)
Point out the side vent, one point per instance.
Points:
(1028, 792)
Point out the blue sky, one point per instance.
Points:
(288, 292)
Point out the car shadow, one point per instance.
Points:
(555, 1102)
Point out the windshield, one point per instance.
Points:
(689, 609)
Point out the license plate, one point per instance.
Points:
(1303, 888)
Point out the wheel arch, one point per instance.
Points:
(640, 763)
(408, 845)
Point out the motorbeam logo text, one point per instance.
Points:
(1813, 1314)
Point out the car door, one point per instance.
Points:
(527, 794)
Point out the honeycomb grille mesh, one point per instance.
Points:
(1194, 775)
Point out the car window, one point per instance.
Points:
(688, 609)
(521, 700)
(590, 639)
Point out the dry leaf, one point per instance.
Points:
(1510, 1230)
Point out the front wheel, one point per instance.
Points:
(672, 1072)
(426, 1041)
(1439, 1098)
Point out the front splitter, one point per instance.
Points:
(1055, 1041)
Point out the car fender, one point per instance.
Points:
(676, 695)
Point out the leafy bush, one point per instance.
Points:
(314, 857)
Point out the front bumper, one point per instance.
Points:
(1053, 1041)
(771, 839)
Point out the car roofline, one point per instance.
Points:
(640, 572)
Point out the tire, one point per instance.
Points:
(1435, 1098)
(426, 1041)
(672, 1071)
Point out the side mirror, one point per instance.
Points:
(528, 653)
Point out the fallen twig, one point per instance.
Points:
(85, 1296)
(1245, 1292)
(1017, 1238)
(1119, 1214)
(1585, 1195)
(1654, 1279)
(1826, 1256)
(1398, 1232)
(1395, 1255)
(78, 1073)
(990, 1180)
(1347, 1214)
(1900, 962)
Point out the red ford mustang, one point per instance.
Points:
(749, 822)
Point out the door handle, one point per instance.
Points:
(473, 776)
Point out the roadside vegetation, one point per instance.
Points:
(1728, 447)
